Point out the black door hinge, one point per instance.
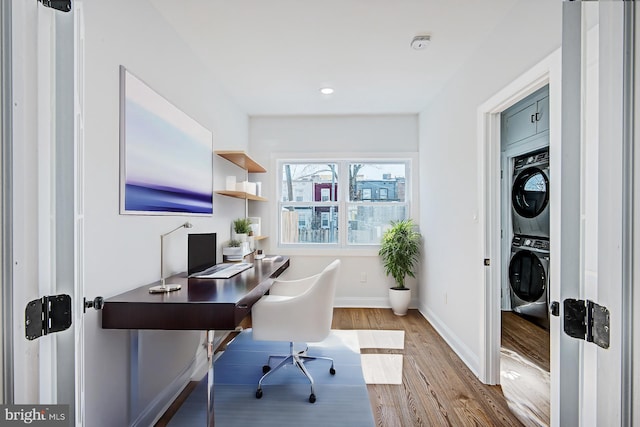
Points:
(587, 320)
(62, 5)
(47, 315)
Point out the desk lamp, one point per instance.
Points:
(163, 287)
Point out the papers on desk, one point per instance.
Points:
(223, 271)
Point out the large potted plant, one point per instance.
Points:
(400, 252)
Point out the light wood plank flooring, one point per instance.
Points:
(525, 338)
(438, 389)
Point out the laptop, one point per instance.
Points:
(201, 259)
(201, 252)
(223, 271)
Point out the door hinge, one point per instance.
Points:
(61, 5)
(47, 315)
(587, 320)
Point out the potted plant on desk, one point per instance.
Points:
(234, 249)
(400, 252)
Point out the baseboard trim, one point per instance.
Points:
(367, 302)
(467, 356)
(154, 410)
(194, 371)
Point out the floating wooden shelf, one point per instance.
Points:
(241, 159)
(241, 195)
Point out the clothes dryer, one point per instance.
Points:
(529, 278)
(530, 194)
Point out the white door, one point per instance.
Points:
(636, 228)
(605, 243)
(47, 220)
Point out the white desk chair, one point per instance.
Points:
(296, 311)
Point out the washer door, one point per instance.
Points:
(527, 276)
(530, 194)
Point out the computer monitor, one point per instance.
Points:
(201, 252)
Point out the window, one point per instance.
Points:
(340, 203)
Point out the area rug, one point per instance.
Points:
(342, 399)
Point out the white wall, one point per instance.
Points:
(272, 137)
(452, 279)
(123, 252)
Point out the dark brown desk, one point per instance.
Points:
(201, 305)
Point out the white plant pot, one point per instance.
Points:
(241, 237)
(399, 299)
(232, 251)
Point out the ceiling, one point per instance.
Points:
(273, 56)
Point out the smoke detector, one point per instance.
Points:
(420, 42)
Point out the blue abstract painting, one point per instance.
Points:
(166, 156)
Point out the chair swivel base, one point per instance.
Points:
(297, 359)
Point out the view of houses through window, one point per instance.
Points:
(315, 209)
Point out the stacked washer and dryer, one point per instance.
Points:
(529, 262)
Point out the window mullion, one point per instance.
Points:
(343, 196)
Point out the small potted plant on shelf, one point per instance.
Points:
(241, 229)
(400, 252)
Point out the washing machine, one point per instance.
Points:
(529, 278)
(530, 194)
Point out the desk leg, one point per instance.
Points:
(134, 372)
(210, 349)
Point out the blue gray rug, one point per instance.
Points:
(342, 399)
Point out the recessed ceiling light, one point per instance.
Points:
(326, 90)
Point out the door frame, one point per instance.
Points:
(6, 223)
(548, 71)
(44, 203)
(545, 72)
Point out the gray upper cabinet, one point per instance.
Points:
(527, 118)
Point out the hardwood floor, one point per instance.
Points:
(525, 369)
(529, 340)
(437, 390)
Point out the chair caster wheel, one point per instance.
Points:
(258, 393)
(312, 398)
(332, 371)
(265, 369)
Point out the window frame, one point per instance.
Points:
(342, 203)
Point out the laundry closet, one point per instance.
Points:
(526, 184)
(526, 258)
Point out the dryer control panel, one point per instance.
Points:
(531, 242)
(533, 159)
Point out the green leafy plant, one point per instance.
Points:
(400, 250)
(242, 226)
(234, 243)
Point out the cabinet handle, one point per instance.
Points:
(532, 118)
(537, 117)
